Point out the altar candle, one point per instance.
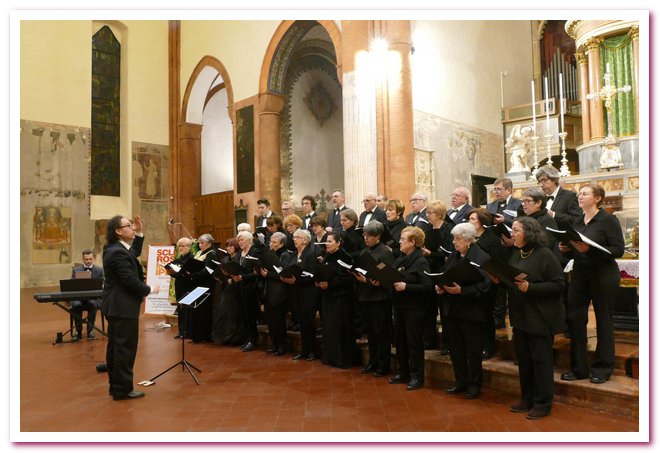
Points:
(533, 108)
(561, 102)
(547, 108)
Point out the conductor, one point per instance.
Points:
(123, 293)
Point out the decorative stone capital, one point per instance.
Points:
(581, 58)
(634, 33)
(270, 104)
(593, 43)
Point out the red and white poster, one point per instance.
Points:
(159, 303)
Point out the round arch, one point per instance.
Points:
(282, 30)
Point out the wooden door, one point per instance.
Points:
(214, 214)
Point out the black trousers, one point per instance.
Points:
(601, 291)
(120, 354)
(431, 324)
(305, 305)
(409, 340)
(276, 319)
(77, 307)
(535, 368)
(500, 309)
(378, 317)
(250, 309)
(466, 339)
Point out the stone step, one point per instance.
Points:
(620, 395)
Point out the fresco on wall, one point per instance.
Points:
(245, 149)
(52, 235)
(151, 190)
(54, 201)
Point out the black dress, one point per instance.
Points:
(228, 324)
(435, 240)
(201, 316)
(278, 294)
(395, 227)
(339, 348)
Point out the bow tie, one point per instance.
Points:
(370, 212)
(502, 205)
(308, 216)
(551, 197)
(451, 211)
(337, 211)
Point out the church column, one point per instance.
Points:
(595, 105)
(269, 108)
(584, 90)
(634, 31)
(536, 60)
(359, 110)
(188, 181)
(396, 156)
(174, 100)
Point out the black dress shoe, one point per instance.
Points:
(249, 346)
(398, 379)
(380, 373)
(300, 355)
(311, 357)
(178, 336)
(128, 396)
(74, 338)
(279, 352)
(368, 369)
(270, 350)
(537, 413)
(487, 354)
(520, 407)
(415, 383)
(598, 380)
(91, 336)
(101, 367)
(570, 376)
(455, 390)
(471, 394)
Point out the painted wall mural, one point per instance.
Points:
(245, 149)
(151, 189)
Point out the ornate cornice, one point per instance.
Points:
(571, 27)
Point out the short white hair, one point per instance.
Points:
(245, 235)
(244, 227)
(303, 234)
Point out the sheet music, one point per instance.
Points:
(193, 295)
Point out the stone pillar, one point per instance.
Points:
(174, 101)
(634, 31)
(359, 110)
(595, 105)
(583, 72)
(269, 183)
(189, 178)
(397, 154)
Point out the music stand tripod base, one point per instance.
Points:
(197, 293)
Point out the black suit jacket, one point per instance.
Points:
(333, 219)
(566, 208)
(124, 287)
(378, 214)
(512, 205)
(461, 215)
(97, 272)
(421, 222)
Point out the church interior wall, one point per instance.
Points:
(239, 45)
(316, 148)
(457, 95)
(56, 97)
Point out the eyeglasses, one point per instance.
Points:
(416, 199)
(499, 189)
(129, 225)
(527, 201)
(367, 200)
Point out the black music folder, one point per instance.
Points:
(569, 234)
(232, 268)
(269, 259)
(500, 229)
(290, 271)
(325, 273)
(381, 272)
(464, 273)
(190, 266)
(505, 272)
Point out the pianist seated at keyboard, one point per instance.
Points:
(78, 306)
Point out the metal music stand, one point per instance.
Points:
(197, 296)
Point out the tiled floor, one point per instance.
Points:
(61, 392)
